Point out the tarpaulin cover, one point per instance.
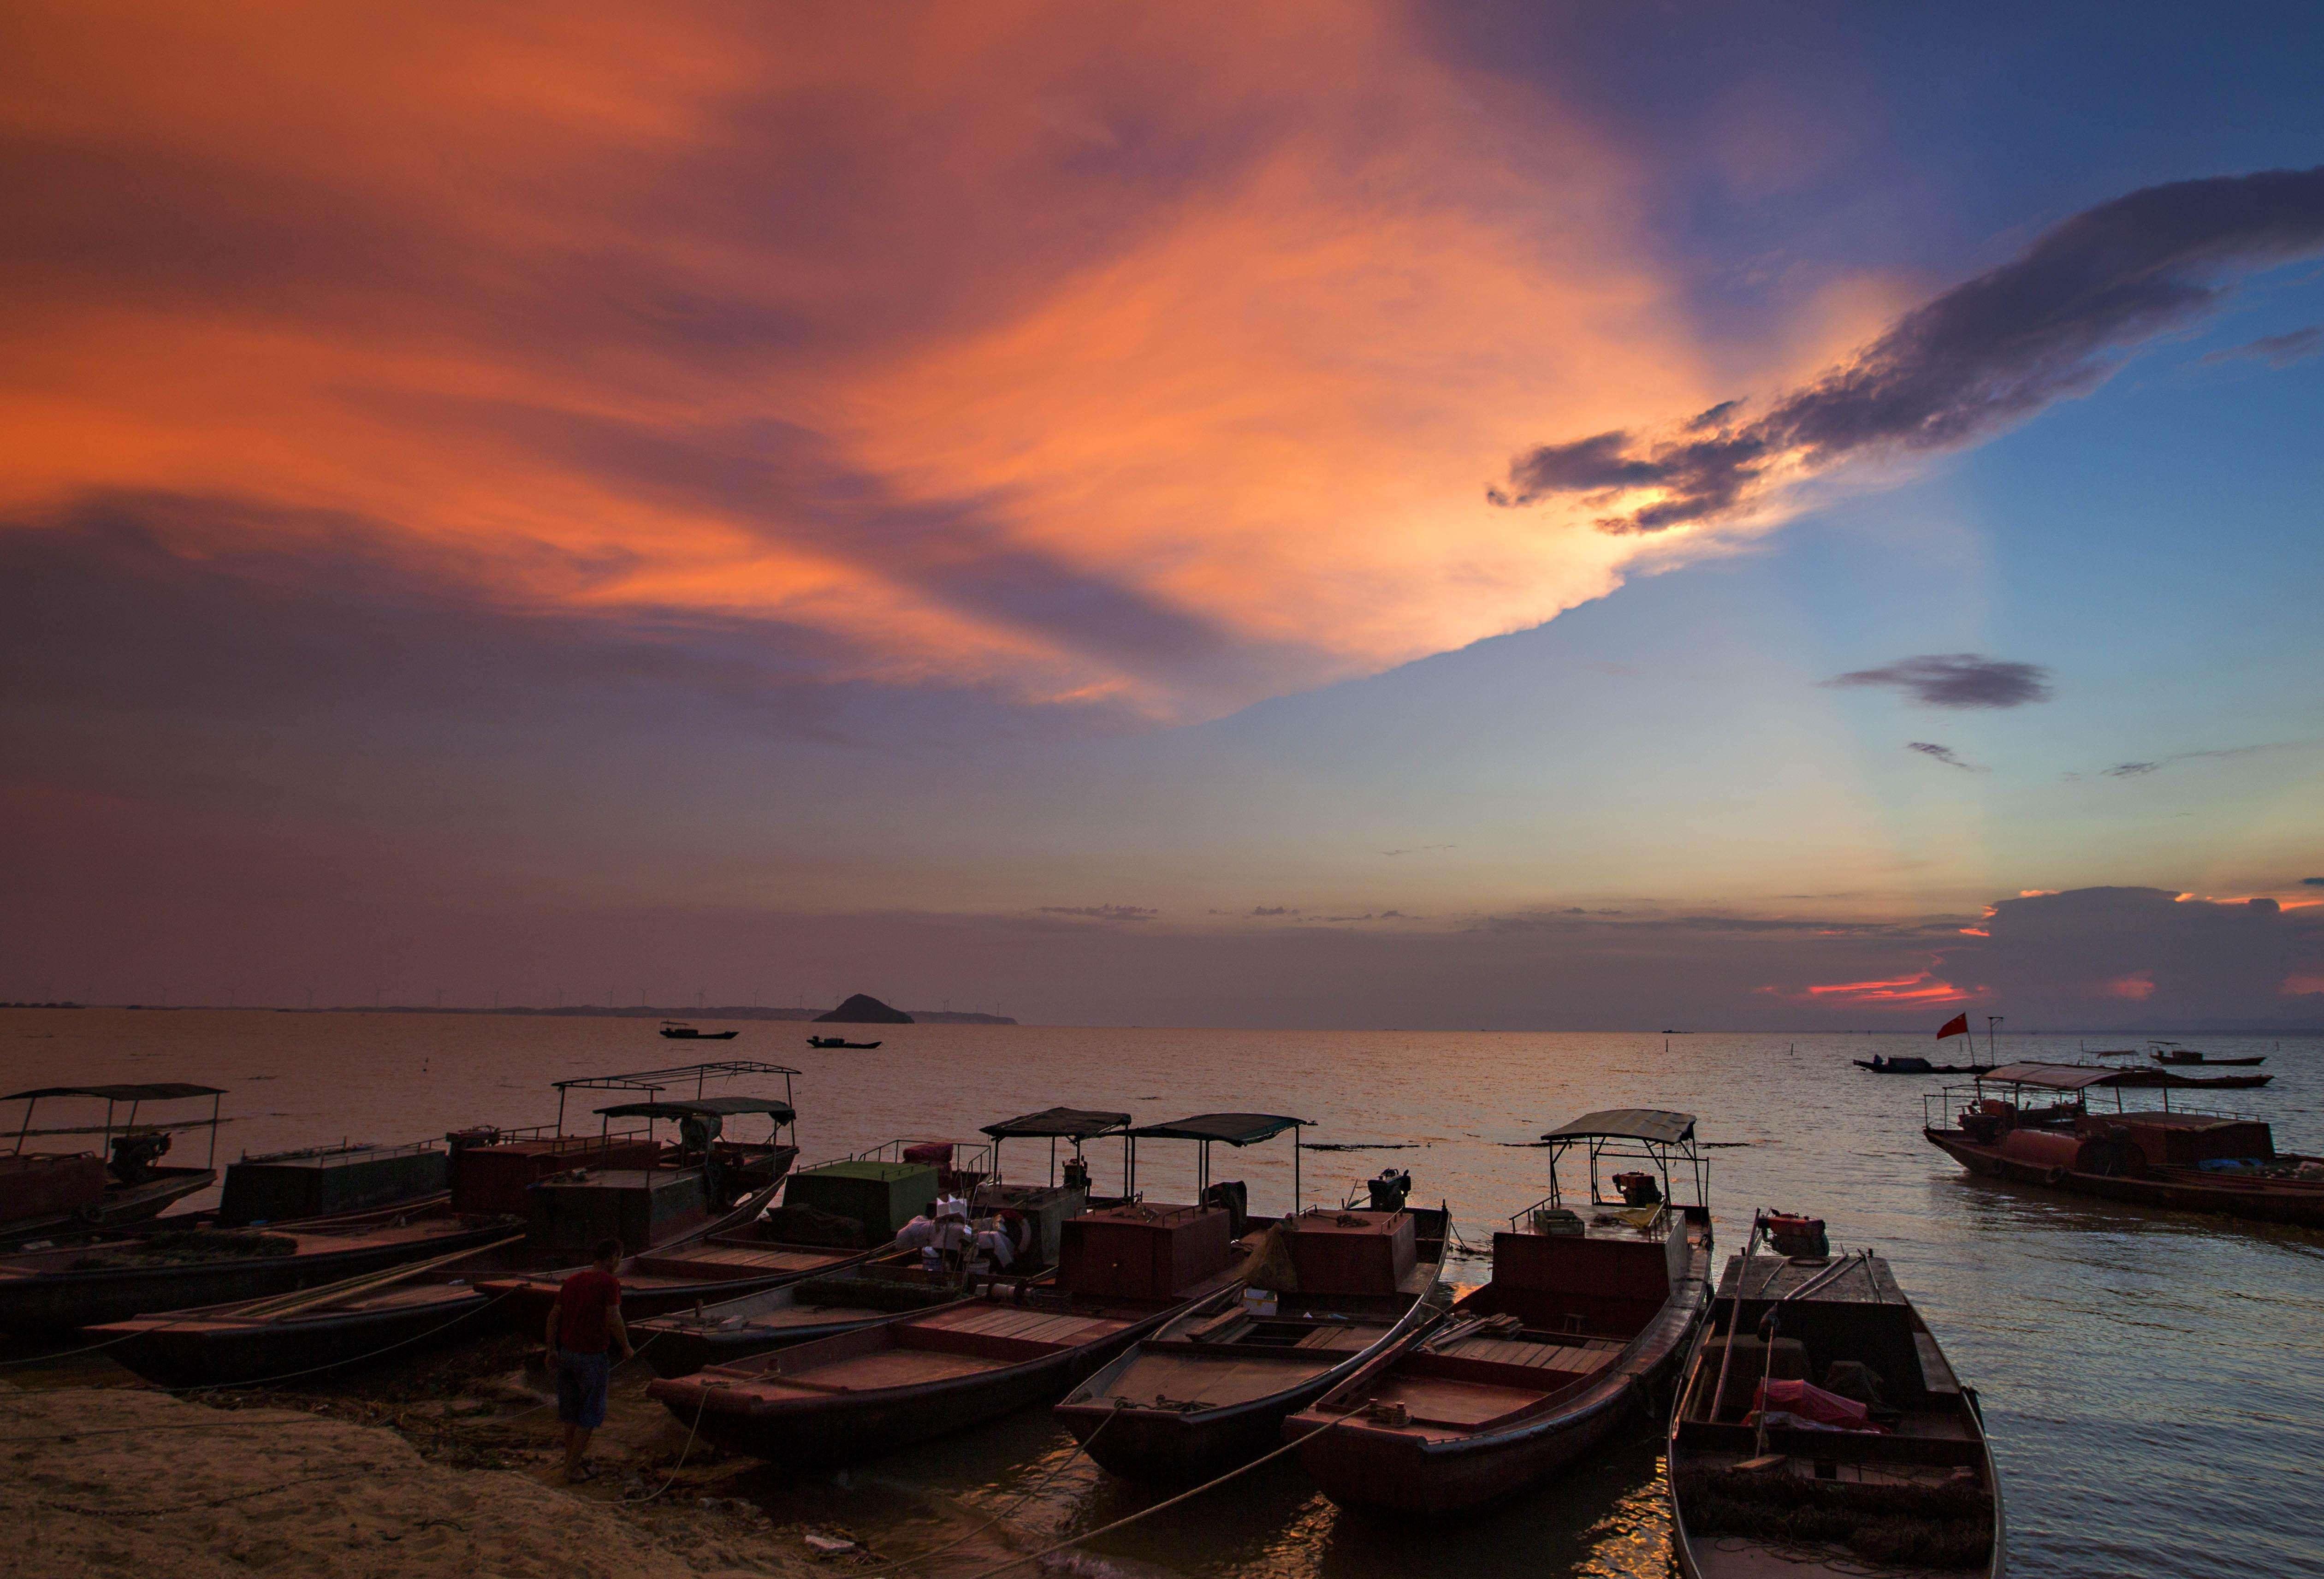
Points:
(160, 1091)
(1065, 1123)
(702, 1107)
(1629, 1123)
(1235, 1129)
(1809, 1406)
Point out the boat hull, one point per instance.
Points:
(1391, 1471)
(53, 1304)
(2251, 1201)
(123, 1205)
(194, 1356)
(850, 1427)
(1175, 1447)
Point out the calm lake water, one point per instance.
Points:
(2153, 1382)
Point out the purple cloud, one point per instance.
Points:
(1956, 679)
(1990, 352)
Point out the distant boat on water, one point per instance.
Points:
(838, 1041)
(2173, 1053)
(678, 1031)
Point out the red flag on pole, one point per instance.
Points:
(1957, 1026)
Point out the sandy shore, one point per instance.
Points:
(120, 1479)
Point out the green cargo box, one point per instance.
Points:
(317, 1183)
(881, 1196)
(639, 1206)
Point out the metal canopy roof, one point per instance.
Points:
(1235, 1129)
(1629, 1123)
(1065, 1124)
(2081, 1076)
(702, 1107)
(158, 1091)
(655, 1079)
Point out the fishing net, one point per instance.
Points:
(186, 1246)
(1943, 1525)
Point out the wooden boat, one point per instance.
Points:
(847, 1299)
(61, 1290)
(359, 1319)
(2172, 1053)
(46, 1195)
(1329, 1289)
(1906, 1065)
(1588, 1312)
(1899, 1478)
(561, 1193)
(1126, 1270)
(2189, 1160)
(678, 1030)
(843, 1300)
(839, 1041)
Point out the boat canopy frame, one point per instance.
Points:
(1232, 1129)
(135, 1094)
(1076, 1124)
(1663, 1139)
(654, 1082)
(1939, 1108)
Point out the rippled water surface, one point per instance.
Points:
(2153, 1382)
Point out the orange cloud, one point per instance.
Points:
(1149, 357)
(1923, 988)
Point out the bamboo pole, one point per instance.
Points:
(300, 1299)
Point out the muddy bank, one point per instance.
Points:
(121, 1480)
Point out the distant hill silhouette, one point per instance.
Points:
(863, 1009)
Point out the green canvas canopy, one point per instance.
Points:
(702, 1107)
(1629, 1123)
(1061, 1124)
(1233, 1129)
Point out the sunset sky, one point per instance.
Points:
(1528, 516)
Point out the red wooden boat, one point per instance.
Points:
(1588, 1311)
(2194, 1161)
(1819, 1430)
(1331, 1289)
(680, 1343)
(1126, 1270)
(121, 1182)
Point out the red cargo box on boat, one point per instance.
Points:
(1350, 1252)
(42, 1184)
(1142, 1251)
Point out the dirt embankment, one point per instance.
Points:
(120, 1481)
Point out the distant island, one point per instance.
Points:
(863, 1009)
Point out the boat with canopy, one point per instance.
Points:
(1329, 1289)
(1123, 1272)
(117, 1181)
(2037, 1124)
(1592, 1304)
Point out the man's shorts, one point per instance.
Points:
(581, 1381)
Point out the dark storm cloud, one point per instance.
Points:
(1943, 753)
(1101, 912)
(1956, 679)
(2311, 882)
(2276, 350)
(1988, 353)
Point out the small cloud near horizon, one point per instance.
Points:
(1943, 753)
(1955, 679)
(1102, 912)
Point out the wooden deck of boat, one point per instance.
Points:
(944, 1344)
(1774, 1277)
(713, 1260)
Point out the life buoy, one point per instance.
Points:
(2056, 1176)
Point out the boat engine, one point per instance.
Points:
(1797, 1236)
(1076, 1173)
(1638, 1189)
(134, 1155)
(1390, 1189)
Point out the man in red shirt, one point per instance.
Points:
(584, 1325)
